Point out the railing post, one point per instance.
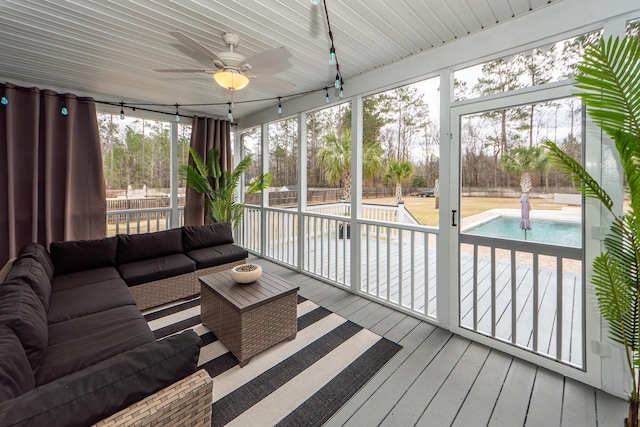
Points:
(302, 185)
(356, 190)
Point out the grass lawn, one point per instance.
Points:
(423, 208)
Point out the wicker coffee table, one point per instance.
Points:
(249, 318)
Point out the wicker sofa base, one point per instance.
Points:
(174, 288)
(184, 403)
(164, 291)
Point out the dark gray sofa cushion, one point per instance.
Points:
(22, 311)
(40, 254)
(83, 278)
(88, 396)
(136, 247)
(203, 236)
(218, 255)
(80, 255)
(32, 272)
(88, 299)
(77, 343)
(16, 376)
(149, 270)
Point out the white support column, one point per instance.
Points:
(601, 159)
(264, 142)
(302, 184)
(173, 170)
(449, 200)
(356, 189)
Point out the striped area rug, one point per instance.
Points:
(294, 383)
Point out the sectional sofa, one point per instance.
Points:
(75, 348)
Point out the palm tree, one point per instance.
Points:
(399, 171)
(522, 162)
(335, 158)
(609, 81)
(219, 188)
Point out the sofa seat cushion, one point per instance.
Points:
(150, 270)
(83, 278)
(218, 255)
(32, 272)
(80, 255)
(22, 311)
(77, 343)
(137, 247)
(40, 254)
(88, 299)
(204, 236)
(16, 376)
(99, 391)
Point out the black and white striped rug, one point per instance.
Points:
(295, 383)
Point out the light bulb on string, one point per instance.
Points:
(341, 92)
(326, 98)
(315, 2)
(337, 84)
(332, 56)
(279, 106)
(177, 113)
(4, 100)
(122, 110)
(64, 111)
(230, 114)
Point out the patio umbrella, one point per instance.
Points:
(525, 224)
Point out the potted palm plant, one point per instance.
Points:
(609, 84)
(219, 188)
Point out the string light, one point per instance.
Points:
(121, 110)
(333, 58)
(177, 113)
(326, 98)
(279, 106)
(230, 114)
(4, 100)
(64, 111)
(341, 92)
(315, 2)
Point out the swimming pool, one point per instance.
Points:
(562, 233)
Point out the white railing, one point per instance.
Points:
(398, 265)
(397, 262)
(524, 293)
(136, 221)
(374, 212)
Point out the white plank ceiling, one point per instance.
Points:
(109, 49)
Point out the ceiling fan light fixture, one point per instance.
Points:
(231, 79)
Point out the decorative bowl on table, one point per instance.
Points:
(246, 273)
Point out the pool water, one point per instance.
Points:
(563, 233)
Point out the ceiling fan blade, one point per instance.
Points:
(193, 54)
(194, 45)
(273, 68)
(184, 70)
(272, 84)
(267, 58)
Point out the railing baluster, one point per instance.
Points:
(536, 304)
(514, 292)
(559, 298)
(493, 291)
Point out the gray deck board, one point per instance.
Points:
(512, 404)
(545, 408)
(439, 379)
(579, 406)
(479, 402)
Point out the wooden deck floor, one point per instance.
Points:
(441, 379)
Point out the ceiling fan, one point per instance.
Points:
(231, 70)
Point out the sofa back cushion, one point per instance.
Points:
(137, 247)
(16, 376)
(87, 396)
(32, 272)
(204, 236)
(40, 254)
(22, 311)
(80, 255)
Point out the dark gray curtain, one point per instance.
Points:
(51, 180)
(206, 133)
